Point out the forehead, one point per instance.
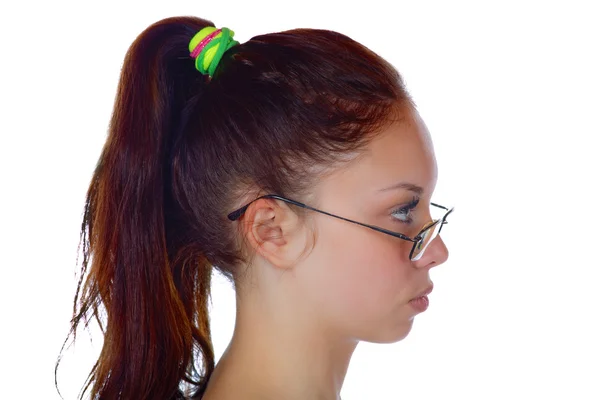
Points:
(403, 152)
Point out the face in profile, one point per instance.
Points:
(360, 281)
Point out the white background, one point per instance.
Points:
(510, 92)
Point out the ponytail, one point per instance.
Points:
(152, 282)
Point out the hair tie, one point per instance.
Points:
(208, 46)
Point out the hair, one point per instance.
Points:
(181, 153)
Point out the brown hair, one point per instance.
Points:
(180, 153)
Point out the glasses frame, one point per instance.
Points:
(235, 215)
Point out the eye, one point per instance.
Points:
(403, 213)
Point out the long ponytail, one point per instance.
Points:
(153, 284)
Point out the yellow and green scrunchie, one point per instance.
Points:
(208, 46)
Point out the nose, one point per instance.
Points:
(435, 254)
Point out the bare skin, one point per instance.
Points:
(314, 290)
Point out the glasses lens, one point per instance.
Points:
(426, 238)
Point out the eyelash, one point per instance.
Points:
(406, 209)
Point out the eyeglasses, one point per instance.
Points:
(420, 242)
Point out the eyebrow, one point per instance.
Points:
(403, 185)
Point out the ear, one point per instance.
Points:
(275, 232)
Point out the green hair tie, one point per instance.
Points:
(208, 46)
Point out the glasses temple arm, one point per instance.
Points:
(236, 214)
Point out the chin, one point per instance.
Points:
(392, 334)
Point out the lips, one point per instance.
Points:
(424, 292)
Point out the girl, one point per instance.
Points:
(297, 165)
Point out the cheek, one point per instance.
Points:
(375, 273)
(363, 275)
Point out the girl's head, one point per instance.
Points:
(308, 115)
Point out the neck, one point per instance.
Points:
(279, 348)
